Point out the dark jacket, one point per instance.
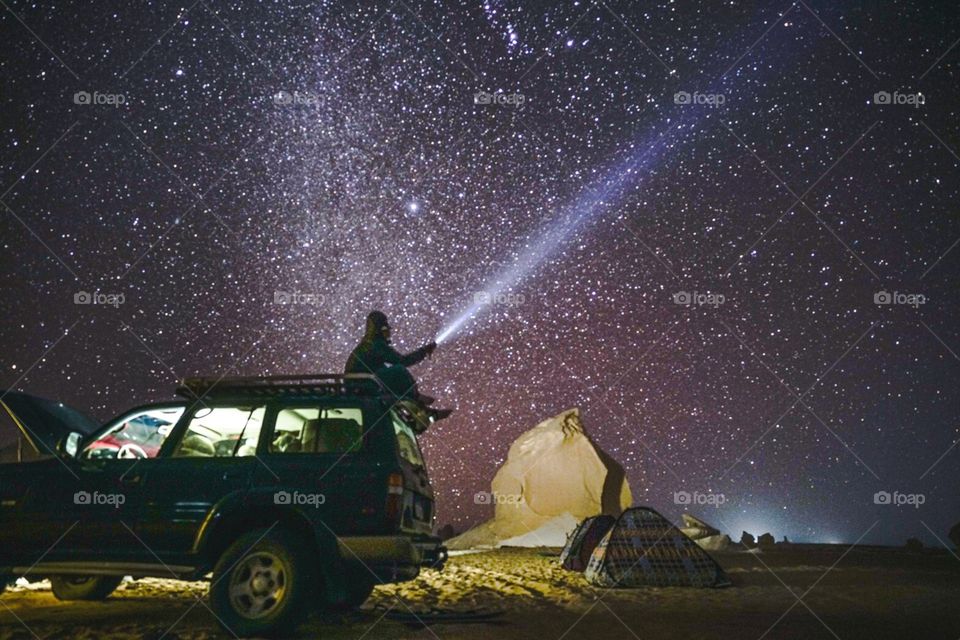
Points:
(373, 353)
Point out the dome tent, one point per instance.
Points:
(644, 549)
(576, 553)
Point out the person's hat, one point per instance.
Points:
(378, 319)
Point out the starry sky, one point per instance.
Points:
(778, 165)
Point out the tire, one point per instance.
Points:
(84, 587)
(262, 584)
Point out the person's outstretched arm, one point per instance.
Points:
(393, 356)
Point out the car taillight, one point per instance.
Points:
(394, 498)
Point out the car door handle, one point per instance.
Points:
(131, 479)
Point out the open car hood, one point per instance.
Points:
(44, 422)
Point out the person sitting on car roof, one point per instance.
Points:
(376, 355)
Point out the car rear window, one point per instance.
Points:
(318, 430)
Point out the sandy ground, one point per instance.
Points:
(514, 593)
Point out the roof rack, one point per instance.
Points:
(318, 384)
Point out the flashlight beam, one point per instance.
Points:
(587, 206)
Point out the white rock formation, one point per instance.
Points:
(719, 542)
(554, 477)
(705, 535)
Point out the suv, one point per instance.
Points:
(293, 491)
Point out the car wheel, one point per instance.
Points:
(84, 587)
(262, 583)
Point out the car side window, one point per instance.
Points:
(222, 432)
(318, 430)
(137, 435)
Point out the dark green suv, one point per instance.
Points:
(295, 492)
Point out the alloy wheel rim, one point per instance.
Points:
(258, 584)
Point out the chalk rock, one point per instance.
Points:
(695, 528)
(719, 542)
(554, 477)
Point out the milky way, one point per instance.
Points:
(254, 178)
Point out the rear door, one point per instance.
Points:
(210, 458)
(323, 458)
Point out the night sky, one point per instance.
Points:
(334, 154)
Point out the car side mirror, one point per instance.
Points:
(70, 445)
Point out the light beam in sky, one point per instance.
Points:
(588, 205)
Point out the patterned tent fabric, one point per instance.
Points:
(643, 549)
(584, 539)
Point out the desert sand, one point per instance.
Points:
(522, 593)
